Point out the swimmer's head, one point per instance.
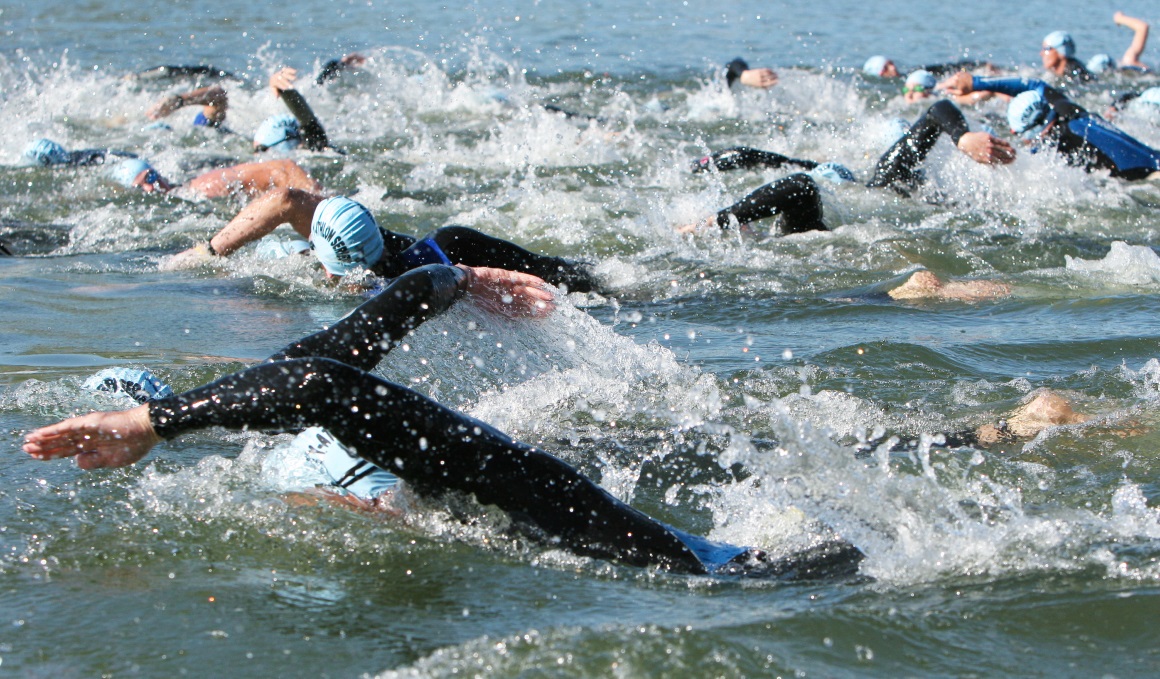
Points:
(140, 385)
(1028, 113)
(281, 132)
(920, 83)
(1148, 104)
(832, 172)
(1101, 63)
(879, 66)
(344, 236)
(1060, 42)
(45, 152)
(134, 172)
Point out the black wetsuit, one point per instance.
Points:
(898, 168)
(464, 245)
(795, 198)
(746, 158)
(322, 381)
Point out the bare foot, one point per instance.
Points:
(103, 439)
(1048, 409)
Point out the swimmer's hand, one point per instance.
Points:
(187, 259)
(984, 148)
(697, 227)
(508, 293)
(103, 439)
(759, 77)
(959, 84)
(283, 79)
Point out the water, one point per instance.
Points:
(719, 388)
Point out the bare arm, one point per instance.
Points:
(254, 179)
(259, 218)
(212, 99)
(1139, 39)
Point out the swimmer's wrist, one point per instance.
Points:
(210, 249)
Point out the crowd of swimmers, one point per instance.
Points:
(369, 434)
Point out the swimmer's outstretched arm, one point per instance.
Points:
(264, 214)
(745, 158)
(368, 333)
(212, 99)
(738, 71)
(1139, 39)
(796, 198)
(432, 448)
(331, 69)
(898, 167)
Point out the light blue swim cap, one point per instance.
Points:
(1027, 114)
(832, 172)
(874, 65)
(140, 385)
(345, 236)
(281, 132)
(45, 152)
(126, 171)
(1148, 104)
(1061, 42)
(345, 469)
(922, 78)
(1101, 63)
(1150, 96)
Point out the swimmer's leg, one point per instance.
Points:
(432, 448)
(795, 197)
(463, 245)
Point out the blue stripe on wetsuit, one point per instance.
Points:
(1127, 152)
(424, 252)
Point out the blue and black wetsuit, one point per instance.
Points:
(1084, 139)
(322, 381)
(464, 245)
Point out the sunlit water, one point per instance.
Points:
(720, 386)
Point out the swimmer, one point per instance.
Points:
(213, 102)
(926, 285)
(1044, 408)
(1058, 55)
(286, 132)
(879, 66)
(173, 72)
(346, 239)
(1130, 62)
(248, 179)
(322, 381)
(1144, 104)
(738, 71)
(1043, 115)
(796, 199)
(332, 69)
(46, 153)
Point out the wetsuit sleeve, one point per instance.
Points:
(796, 198)
(312, 133)
(745, 158)
(86, 157)
(1121, 101)
(1008, 86)
(734, 69)
(464, 245)
(330, 71)
(363, 337)
(432, 448)
(898, 168)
